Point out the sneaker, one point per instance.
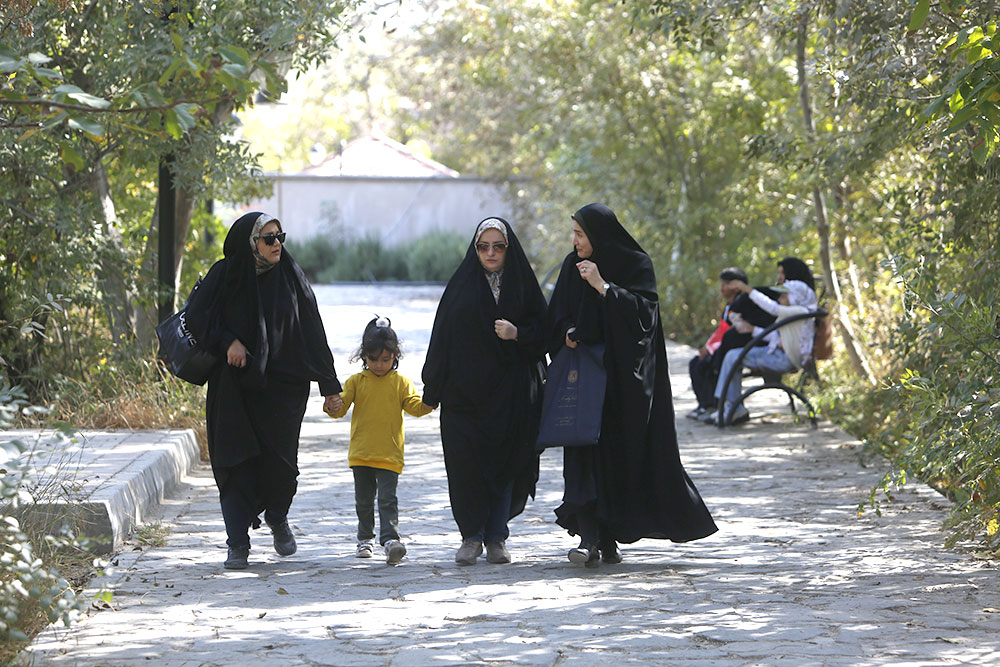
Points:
(365, 550)
(697, 413)
(610, 553)
(496, 552)
(589, 556)
(394, 551)
(739, 415)
(468, 552)
(284, 541)
(237, 558)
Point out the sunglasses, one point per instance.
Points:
(498, 248)
(269, 239)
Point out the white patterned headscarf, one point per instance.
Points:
(800, 294)
(491, 223)
(494, 278)
(261, 263)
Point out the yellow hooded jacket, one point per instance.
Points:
(377, 422)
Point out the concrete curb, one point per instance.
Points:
(102, 483)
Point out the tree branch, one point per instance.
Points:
(83, 107)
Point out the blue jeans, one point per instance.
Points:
(758, 357)
(495, 529)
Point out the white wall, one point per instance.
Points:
(394, 209)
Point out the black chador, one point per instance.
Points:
(488, 388)
(254, 413)
(631, 484)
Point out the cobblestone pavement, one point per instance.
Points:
(793, 576)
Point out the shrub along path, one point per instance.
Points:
(794, 576)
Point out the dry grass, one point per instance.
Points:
(151, 399)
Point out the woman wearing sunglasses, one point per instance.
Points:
(483, 367)
(256, 309)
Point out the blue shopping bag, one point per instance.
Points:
(574, 398)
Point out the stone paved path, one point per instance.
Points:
(793, 576)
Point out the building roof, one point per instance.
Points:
(376, 154)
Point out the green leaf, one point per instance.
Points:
(89, 100)
(934, 108)
(70, 156)
(185, 118)
(54, 120)
(235, 54)
(234, 70)
(980, 153)
(172, 126)
(38, 59)
(46, 73)
(169, 72)
(919, 15)
(962, 37)
(177, 40)
(87, 125)
(8, 65)
(961, 119)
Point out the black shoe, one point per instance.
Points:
(610, 553)
(284, 541)
(237, 559)
(590, 556)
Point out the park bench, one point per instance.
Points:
(773, 380)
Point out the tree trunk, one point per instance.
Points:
(118, 295)
(854, 349)
(845, 251)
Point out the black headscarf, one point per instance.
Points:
(621, 261)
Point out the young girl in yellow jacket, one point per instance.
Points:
(380, 395)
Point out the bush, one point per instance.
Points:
(434, 257)
(431, 258)
(939, 420)
(30, 589)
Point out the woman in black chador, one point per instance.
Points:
(256, 310)
(631, 484)
(483, 366)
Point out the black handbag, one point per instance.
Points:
(574, 398)
(179, 350)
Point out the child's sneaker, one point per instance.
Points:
(394, 551)
(365, 550)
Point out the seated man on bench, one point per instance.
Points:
(704, 368)
(787, 348)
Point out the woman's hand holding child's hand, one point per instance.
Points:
(332, 403)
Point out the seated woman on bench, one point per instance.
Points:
(788, 348)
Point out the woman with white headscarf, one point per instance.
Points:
(787, 349)
(483, 367)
